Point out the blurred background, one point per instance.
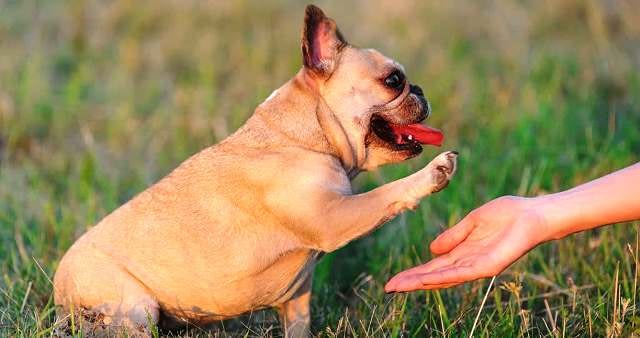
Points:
(99, 99)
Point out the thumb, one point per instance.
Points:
(449, 239)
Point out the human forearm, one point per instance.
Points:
(496, 234)
(610, 199)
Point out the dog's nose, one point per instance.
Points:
(413, 89)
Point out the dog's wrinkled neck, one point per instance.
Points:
(296, 115)
(308, 79)
(335, 134)
(337, 137)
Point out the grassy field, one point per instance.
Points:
(99, 99)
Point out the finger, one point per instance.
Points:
(439, 286)
(408, 275)
(403, 283)
(432, 287)
(458, 274)
(449, 239)
(414, 282)
(434, 264)
(414, 286)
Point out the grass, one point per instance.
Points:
(99, 100)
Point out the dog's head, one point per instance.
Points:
(377, 108)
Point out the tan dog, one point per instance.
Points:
(240, 225)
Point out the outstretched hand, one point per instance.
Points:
(482, 245)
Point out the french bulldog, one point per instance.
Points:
(240, 225)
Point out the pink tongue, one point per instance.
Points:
(420, 132)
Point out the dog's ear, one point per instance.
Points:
(321, 41)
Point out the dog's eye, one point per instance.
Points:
(395, 80)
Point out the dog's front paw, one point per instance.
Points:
(442, 169)
(432, 178)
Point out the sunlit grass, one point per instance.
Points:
(99, 100)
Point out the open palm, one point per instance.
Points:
(482, 245)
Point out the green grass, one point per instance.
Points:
(100, 99)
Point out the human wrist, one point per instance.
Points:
(532, 216)
(557, 213)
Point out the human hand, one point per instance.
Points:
(482, 245)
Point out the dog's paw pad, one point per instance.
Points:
(444, 168)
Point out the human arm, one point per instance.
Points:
(495, 235)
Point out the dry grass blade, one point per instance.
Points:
(552, 321)
(475, 322)
(26, 296)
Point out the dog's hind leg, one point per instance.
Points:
(102, 297)
(294, 313)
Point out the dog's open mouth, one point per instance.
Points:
(406, 136)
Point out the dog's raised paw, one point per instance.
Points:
(444, 166)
